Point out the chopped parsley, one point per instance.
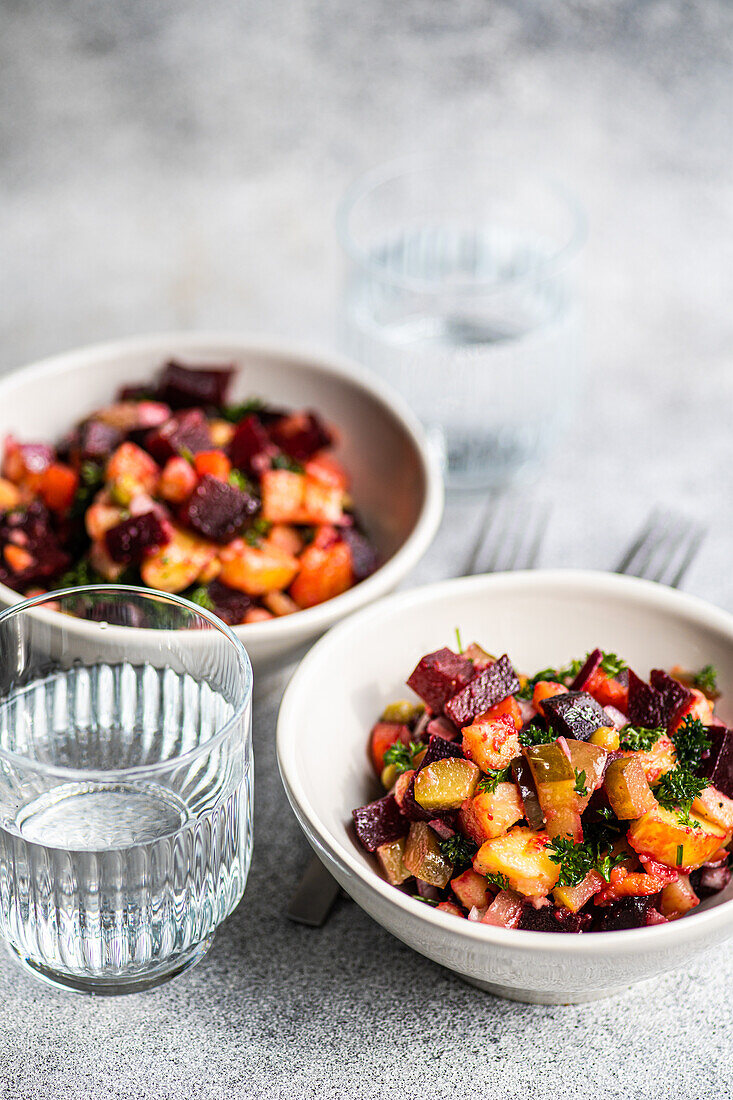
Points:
(91, 478)
(239, 481)
(459, 643)
(577, 860)
(534, 734)
(495, 878)
(235, 413)
(706, 680)
(639, 738)
(458, 850)
(425, 901)
(580, 787)
(259, 530)
(80, 574)
(690, 742)
(402, 756)
(285, 462)
(677, 790)
(680, 853)
(612, 665)
(200, 595)
(492, 779)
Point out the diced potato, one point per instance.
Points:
(714, 806)
(678, 898)
(178, 564)
(256, 570)
(606, 738)
(391, 859)
(101, 517)
(659, 759)
(575, 897)
(521, 856)
(324, 467)
(423, 857)
(445, 784)
(133, 465)
(322, 503)
(324, 574)
(628, 791)
(659, 833)
(103, 564)
(283, 492)
(489, 814)
(491, 742)
(554, 778)
(471, 889)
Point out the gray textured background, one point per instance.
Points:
(176, 164)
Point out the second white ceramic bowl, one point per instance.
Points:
(396, 482)
(539, 618)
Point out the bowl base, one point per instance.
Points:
(535, 997)
(118, 984)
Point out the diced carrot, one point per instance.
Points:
(58, 486)
(17, 558)
(546, 689)
(215, 463)
(384, 735)
(698, 707)
(324, 467)
(257, 615)
(607, 691)
(177, 481)
(324, 573)
(9, 495)
(256, 570)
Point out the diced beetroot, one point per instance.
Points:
(442, 727)
(439, 675)
(412, 810)
(364, 559)
(675, 695)
(717, 766)
(439, 749)
(592, 663)
(250, 448)
(123, 613)
(186, 432)
(229, 604)
(379, 822)
(630, 912)
(130, 540)
(136, 391)
(426, 890)
(646, 704)
(185, 387)
(443, 830)
(97, 441)
(218, 510)
(485, 690)
(553, 918)
(522, 774)
(709, 880)
(300, 435)
(31, 530)
(575, 714)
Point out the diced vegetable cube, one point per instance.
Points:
(96, 441)
(132, 539)
(178, 564)
(589, 764)
(592, 663)
(505, 910)
(364, 558)
(554, 779)
(520, 855)
(528, 793)
(575, 897)
(646, 705)
(283, 493)
(184, 387)
(675, 696)
(575, 714)
(379, 823)
(58, 486)
(487, 688)
(423, 856)
(133, 466)
(445, 784)
(214, 463)
(471, 889)
(391, 859)
(628, 791)
(385, 734)
(186, 433)
(439, 675)
(323, 574)
(177, 481)
(250, 448)
(553, 918)
(9, 495)
(661, 834)
(491, 742)
(254, 570)
(657, 760)
(218, 510)
(438, 748)
(490, 813)
(678, 898)
(450, 907)
(718, 766)
(630, 912)
(714, 806)
(300, 435)
(230, 604)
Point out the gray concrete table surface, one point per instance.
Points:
(177, 165)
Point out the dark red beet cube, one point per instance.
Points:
(440, 675)
(717, 766)
(646, 704)
(186, 432)
(97, 441)
(250, 448)
(229, 604)
(130, 540)
(218, 510)
(575, 714)
(633, 912)
(379, 822)
(591, 665)
(675, 695)
(136, 391)
(186, 387)
(364, 558)
(300, 435)
(31, 530)
(488, 687)
(708, 881)
(439, 749)
(553, 918)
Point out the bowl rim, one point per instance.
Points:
(341, 851)
(166, 344)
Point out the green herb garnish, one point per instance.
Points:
(639, 738)
(690, 742)
(239, 481)
(677, 790)
(612, 665)
(492, 779)
(495, 878)
(458, 850)
(237, 412)
(186, 453)
(580, 787)
(285, 462)
(425, 901)
(200, 595)
(577, 860)
(459, 643)
(534, 734)
(402, 756)
(680, 853)
(259, 530)
(80, 574)
(706, 680)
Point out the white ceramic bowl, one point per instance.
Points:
(539, 618)
(397, 484)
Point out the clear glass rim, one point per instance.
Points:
(392, 170)
(136, 770)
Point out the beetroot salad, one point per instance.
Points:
(580, 799)
(242, 507)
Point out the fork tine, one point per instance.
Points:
(696, 539)
(664, 549)
(640, 545)
(510, 538)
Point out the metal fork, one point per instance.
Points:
(664, 549)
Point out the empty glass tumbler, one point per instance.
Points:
(461, 291)
(125, 784)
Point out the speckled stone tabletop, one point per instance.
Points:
(176, 164)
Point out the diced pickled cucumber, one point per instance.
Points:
(628, 791)
(391, 858)
(445, 784)
(423, 857)
(403, 711)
